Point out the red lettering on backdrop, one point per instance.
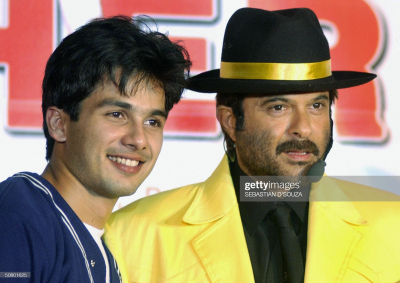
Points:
(358, 112)
(198, 51)
(25, 47)
(25, 57)
(156, 8)
(189, 117)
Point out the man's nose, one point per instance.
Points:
(135, 137)
(300, 125)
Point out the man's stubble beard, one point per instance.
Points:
(259, 158)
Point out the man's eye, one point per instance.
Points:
(153, 122)
(277, 107)
(116, 114)
(317, 105)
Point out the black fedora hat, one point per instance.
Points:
(270, 52)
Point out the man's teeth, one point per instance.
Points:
(298, 153)
(124, 161)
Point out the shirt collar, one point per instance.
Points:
(252, 213)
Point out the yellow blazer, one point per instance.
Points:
(195, 234)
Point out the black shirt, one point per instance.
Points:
(261, 234)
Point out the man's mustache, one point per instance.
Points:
(297, 145)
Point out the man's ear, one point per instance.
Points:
(56, 120)
(227, 120)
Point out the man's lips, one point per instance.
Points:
(127, 164)
(124, 161)
(298, 155)
(297, 152)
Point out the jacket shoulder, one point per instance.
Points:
(359, 192)
(168, 202)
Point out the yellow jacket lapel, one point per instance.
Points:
(223, 245)
(331, 239)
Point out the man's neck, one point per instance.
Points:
(91, 209)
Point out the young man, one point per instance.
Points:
(107, 91)
(275, 89)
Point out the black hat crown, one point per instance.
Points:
(286, 36)
(270, 52)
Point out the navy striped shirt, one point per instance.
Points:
(41, 234)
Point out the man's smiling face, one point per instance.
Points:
(283, 134)
(115, 143)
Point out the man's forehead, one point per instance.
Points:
(107, 92)
(136, 84)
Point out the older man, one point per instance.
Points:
(275, 90)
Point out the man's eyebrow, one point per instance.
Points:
(321, 97)
(274, 99)
(161, 113)
(284, 99)
(130, 107)
(113, 102)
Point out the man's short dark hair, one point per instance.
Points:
(235, 101)
(115, 49)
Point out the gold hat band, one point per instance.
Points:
(276, 71)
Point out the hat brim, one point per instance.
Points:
(210, 82)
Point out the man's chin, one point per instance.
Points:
(297, 169)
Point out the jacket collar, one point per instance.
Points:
(331, 241)
(328, 194)
(214, 202)
(222, 244)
